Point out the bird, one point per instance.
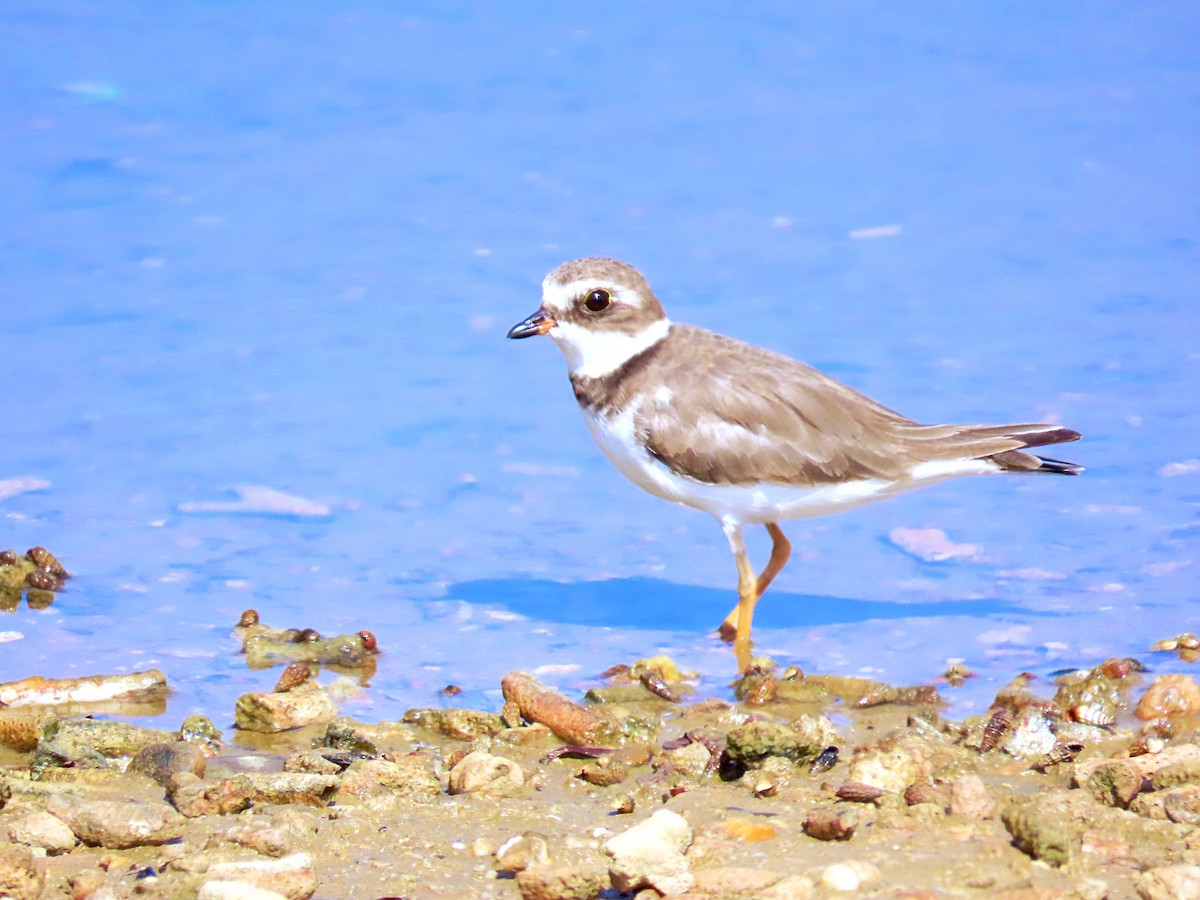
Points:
(747, 435)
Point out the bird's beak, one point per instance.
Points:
(539, 323)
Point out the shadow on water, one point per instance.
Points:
(655, 604)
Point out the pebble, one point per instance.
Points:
(970, 799)
(292, 876)
(520, 852)
(1170, 695)
(235, 890)
(118, 824)
(480, 771)
(892, 769)
(650, 855)
(193, 797)
(730, 881)
(40, 829)
(849, 876)
(561, 882)
(269, 713)
(21, 878)
(159, 762)
(791, 887)
(831, 823)
(383, 781)
(1178, 882)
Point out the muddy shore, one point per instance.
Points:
(804, 785)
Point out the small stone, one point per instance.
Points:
(849, 876)
(969, 798)
(754, 742)
(118, 824)
(1178, 882)
(307, 704)
(39, 829)
(650, 855)
(159, 762)
(791, 887)
(480, 771)
(235, 890)
(892, 768)
(21, 878)
(383, 781)
(520, 852)
(292, 876)
(193, 797)
(561, 882)
(307, 788)
(831, 823)
(734, 881)
(1116, 783)
(1170, 695)
(260, 837)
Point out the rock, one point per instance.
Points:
(1048, 834)
(39, 829)
(193, 797)
(751, 744)
(1116, 783)
(315, 761)
(1182, 804)
(261, 837)
(734, 881)
(691, 760)
(834, 823)
(561, 882)
(90, 743)
(1148, 764)
(307, 704)
(523, 851)
(235, 890)
(892, 767)
(849, 876)
(292, 876)
(1179, 882)
(791, 887)
(306, 788)
(970, 799)
(650, 855)
(409, 776)
(21, 878)
(117, 824)
(1175, 774)
(159, 762)
(463, 724)
(480, 771)
(1170, 695)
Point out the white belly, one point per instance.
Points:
(764, 502)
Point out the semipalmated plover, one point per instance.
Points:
(744, 434)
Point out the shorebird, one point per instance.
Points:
(744, 434)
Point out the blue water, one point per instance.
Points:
(279, 245)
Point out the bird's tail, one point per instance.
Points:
(1037, 436)
(1003, 445)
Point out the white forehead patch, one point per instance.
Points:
(560, 297)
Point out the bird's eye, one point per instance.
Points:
(597, 300)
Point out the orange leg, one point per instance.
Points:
(781, 550)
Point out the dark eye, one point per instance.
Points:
(597, 300)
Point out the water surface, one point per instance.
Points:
(278, 247)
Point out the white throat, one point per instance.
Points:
(592, 354)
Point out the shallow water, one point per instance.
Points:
(279, 246)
